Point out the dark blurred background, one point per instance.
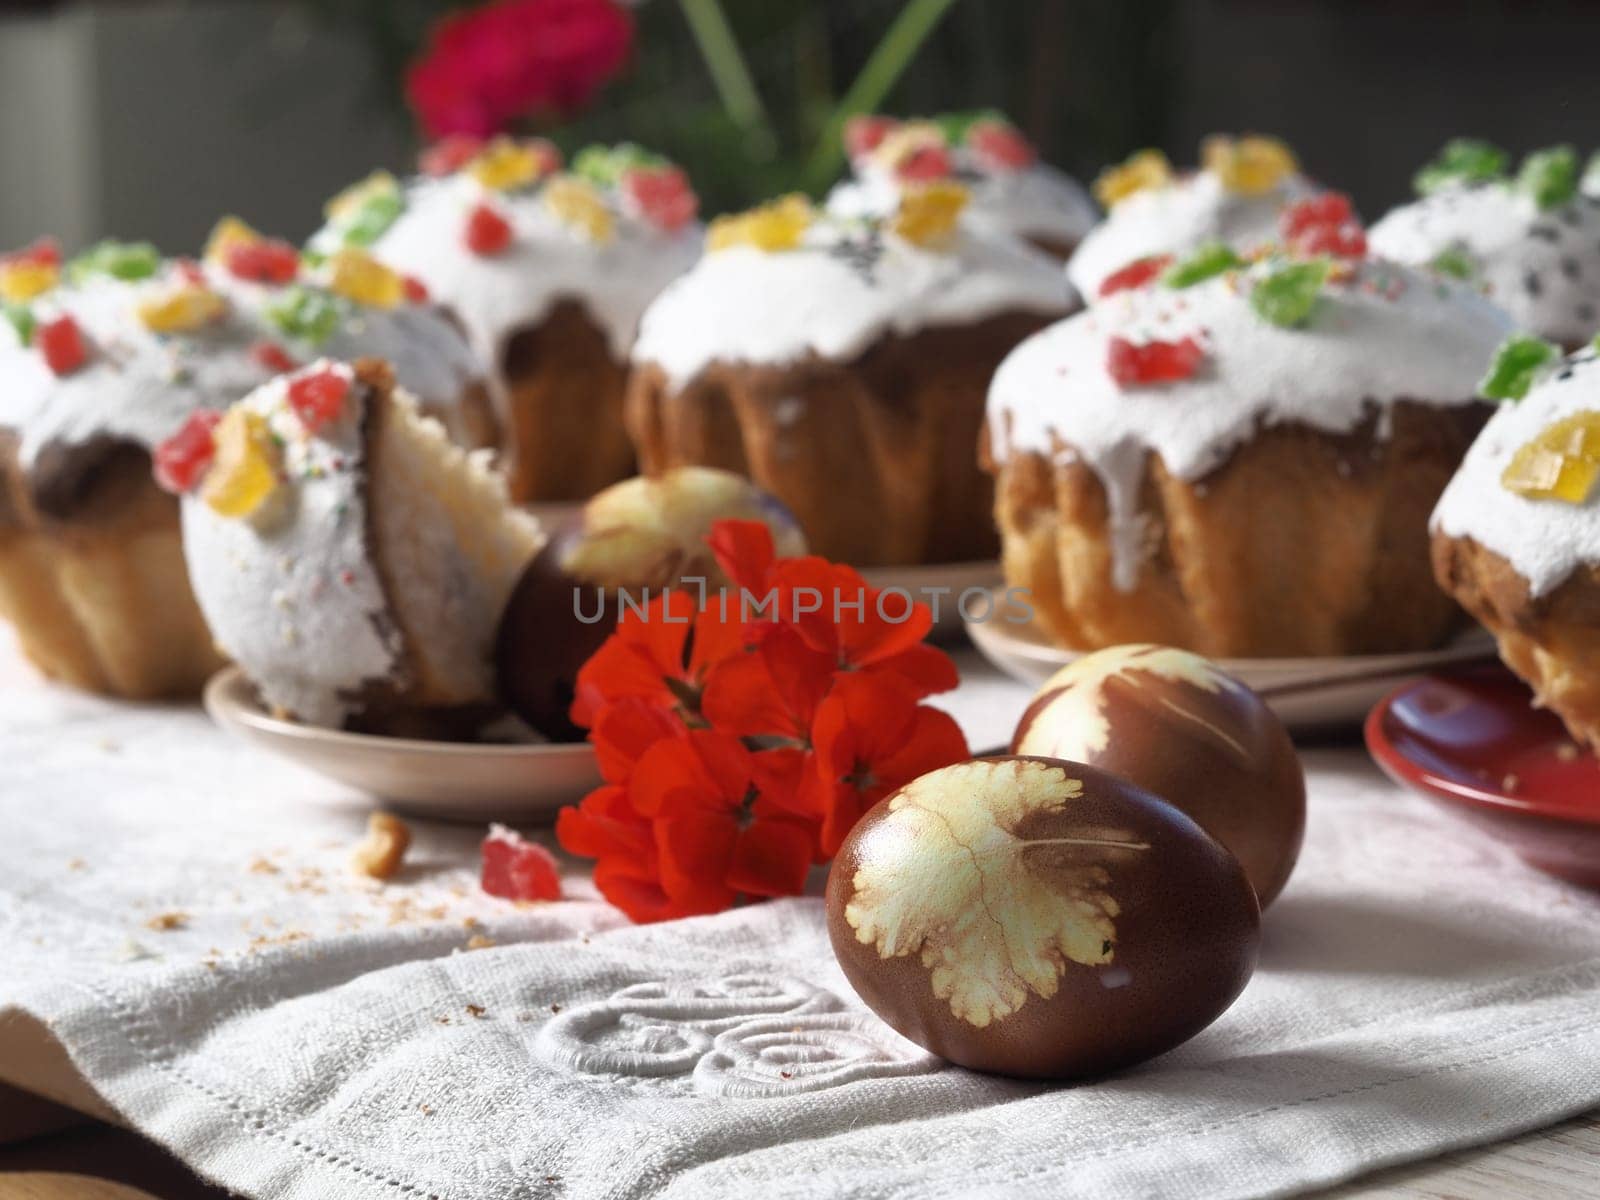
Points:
(148, 119)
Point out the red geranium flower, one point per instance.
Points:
(486, 67)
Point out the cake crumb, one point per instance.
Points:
(478, 942)
(262, 866)
(477, 1010)
(77, 864)
(379, 855)
(167, 921)
(1567, 752)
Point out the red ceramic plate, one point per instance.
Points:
(1472, 741)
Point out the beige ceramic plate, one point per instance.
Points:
(449, 781)
(925, 580)
(1308, 693)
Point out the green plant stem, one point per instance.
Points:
(729, 72)
(877, 79)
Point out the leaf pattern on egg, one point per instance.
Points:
(970, 875)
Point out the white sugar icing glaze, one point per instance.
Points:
(1036, 202)
(826, 298)
(548, 261)
(296, 599)
(1541, 267)
(1174, 219)
(1544, 540)
(140, 386)
(1385, 334)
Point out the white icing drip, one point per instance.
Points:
(295, 598)
(548, 261)
(1359, 350)
(747, 305)
(1544, 540)
(1177, 218)
(1541, 267)
(140, 386)
(1038, 202)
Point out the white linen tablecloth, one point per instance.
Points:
(178, 909)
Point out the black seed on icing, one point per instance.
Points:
(1531, 284)
(1569, 268)
(1548, 233)
(1566, 373)
(1586, 311)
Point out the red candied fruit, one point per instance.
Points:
(1137, 274)
(487, 233)
(416, 291)
(864, 133)
(318, 397)
(273, 357)
(264, 261)
(62, 344)
(924, 165)
(46, 252)
(184, 458)
(1325, 224)
(449, 155)
(1133, 363)
(189, 271)
(517, 869)
(1001, 145)
(662, 195)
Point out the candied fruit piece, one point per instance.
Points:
(356, 275)
(506, 164)
(416, 291)
(580, 205)
(777, 225)
(604, 166)
(1329, 208)
(661, 195)
(1141, 272)
(516, 869)
(244, 472)
(62, 344)
(1250, 165)
(1132, 363)
(487, 232)
(45, 251)
(20, 317)
(929, 213)
(1287, 295)
(1515, 365)
(449, 154)
(1456, 261)
(227, 235)
(1000, 145)
(363, 212)
(273, 357)
(306, 315)
(180, 309)
(128, 261)
(1549, 176)
(915, 152)
(1463, 160)
(864, 133)
(22, 280)
(1142, 171)
(1206, 262)
(318, 397)
(183, 459)
(1325, 224)
(264, 261)
(1561, 463)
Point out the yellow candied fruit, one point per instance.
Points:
(354, 197)
(22, 280)
(1562, 463)
(181, 309)
(929, 212)
(506, 164)
(578, 203)
(1248, 165)
(244, 471)
(229, 235)
(906, 142)
(1142, 171)
(356, 275)
(777, 225)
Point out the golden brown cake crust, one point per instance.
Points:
(1552, 641)
(877, 457)
(1302, 543)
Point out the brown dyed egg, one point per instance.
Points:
(1178, 726)
(640, 535)
(1039, 918)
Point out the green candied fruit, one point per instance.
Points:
(121, 260)
(1463, 160)
(372, 219)
(1516, 364)
(604, 166)
(1208, 261)
(956, 126)
(1456, 261)
(1550, 176)
(1287, 295)
(20, 317)
(306, 315)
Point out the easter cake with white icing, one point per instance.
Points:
(841, 363)
(347, 556)
(103, 358)
(1530, 242)
(1239, 457)
(1156, 214)
(548, 268)
(1012, 191)
(1516, 536)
